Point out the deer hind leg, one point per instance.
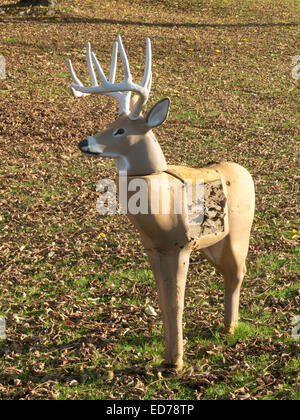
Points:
(229, 259)
(170, 271)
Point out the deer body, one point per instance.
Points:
(168, 246)
(169, 238)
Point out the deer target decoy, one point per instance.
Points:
(221, 230)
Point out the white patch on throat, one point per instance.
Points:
(123, 164)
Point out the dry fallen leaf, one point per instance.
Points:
(149, 310)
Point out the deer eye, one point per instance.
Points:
(119, 132)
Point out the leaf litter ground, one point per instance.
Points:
(74, 285)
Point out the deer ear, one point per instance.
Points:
(158, 114)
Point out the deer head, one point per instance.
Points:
(129, 139)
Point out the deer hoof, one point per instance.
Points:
(178, 365)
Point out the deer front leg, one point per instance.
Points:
(170, 269)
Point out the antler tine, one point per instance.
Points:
(113, 66)
(148, 73)
(149, 83)
(99, 71)
(145, 84)
(128, 77)
(90, 65)
(77, 81)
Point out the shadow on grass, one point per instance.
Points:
(87, 20)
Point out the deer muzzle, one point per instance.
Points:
(88, 147)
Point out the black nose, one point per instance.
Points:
(83, 144)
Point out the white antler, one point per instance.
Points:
(120, 91)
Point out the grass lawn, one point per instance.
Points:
(74, 284)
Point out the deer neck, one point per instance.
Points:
(144, 156)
